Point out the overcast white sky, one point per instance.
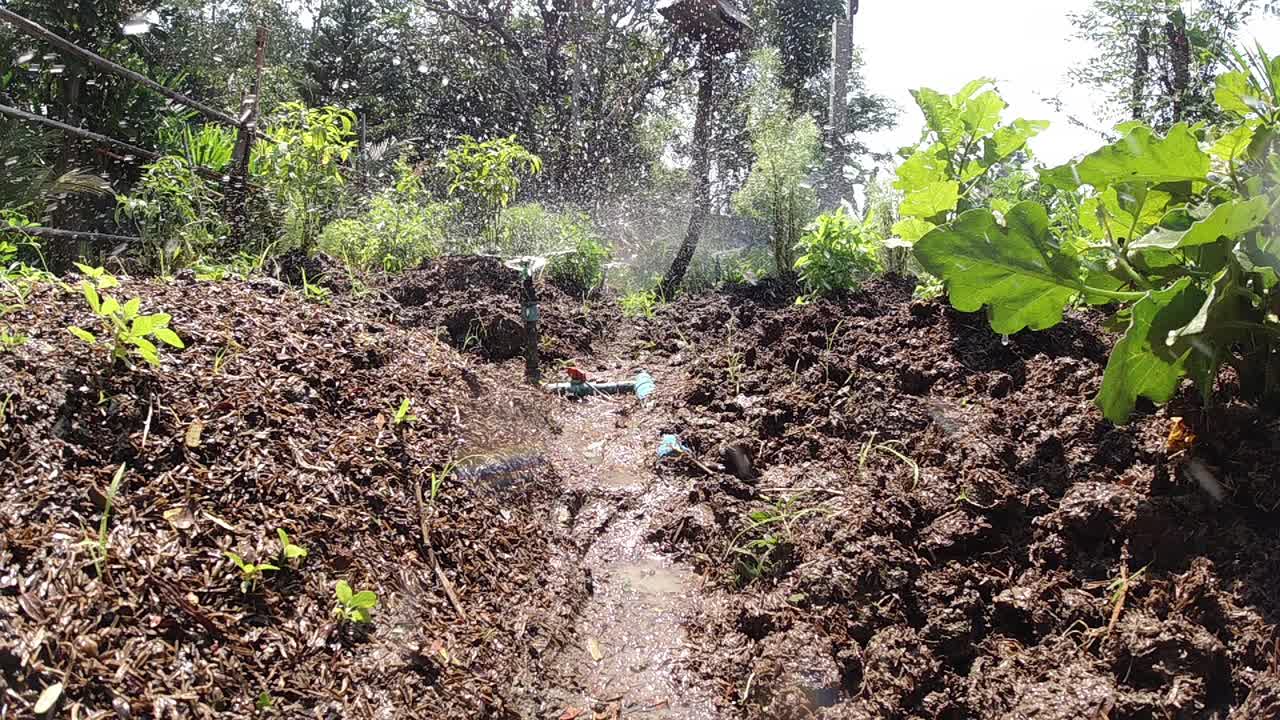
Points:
(1025, 45)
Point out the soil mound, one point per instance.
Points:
(278, 414)
(939, 523)
(477, 301)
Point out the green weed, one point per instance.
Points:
(130, 332)
(353, 607)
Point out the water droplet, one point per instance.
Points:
(444, 81)
(57, 69)
(26, 57)
(396, 61)
(139, 24)
(1004, 340)
(422, 68)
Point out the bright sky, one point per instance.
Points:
(1025, 45)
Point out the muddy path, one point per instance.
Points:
(631, 655)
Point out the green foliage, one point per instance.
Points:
(130, 332)
(402, 415)
(312, 292)
(250, 573)
(100, 546)
(301, 163)
(963, 141)
(487, 174)
(177, 211)
(836, 254)
(211, 146)
(766, 536)
(581, 268)
(1170, 228)
(354, 607)
(786, 145)
(397, 231)
(641, 303)
(288, 550)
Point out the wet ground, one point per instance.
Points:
(885, 512)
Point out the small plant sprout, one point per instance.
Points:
(315, 293)
(891, 448)
(354, 607)
(130, 332)
(402, 415)
(100, 546)
(250, 574)
(9, 340)
(288, 550)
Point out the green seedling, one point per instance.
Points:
(100, 546)
(250, 574)
(264, 701)
(642, 303)
(888, 448)
(765, 532)
(130, 332)
(10, 341)
(354, 607)
(403, 415)
(288, 550)
(315, 293)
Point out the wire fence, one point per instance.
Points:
(235, 179)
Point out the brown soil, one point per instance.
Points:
(948, 521)
(944, 526)
(278, 414)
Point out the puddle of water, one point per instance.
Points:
(652, 577)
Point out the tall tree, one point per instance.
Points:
(1156, 59)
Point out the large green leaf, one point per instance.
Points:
(1140, 156)
(1129, 211)
(1233, 93)
(1228, 220)
(1010, 139)
(940, 115)
(912, 229)
(981, 114)
(1015, 271)
(921, 168)
(1142, 364)
(931, 199)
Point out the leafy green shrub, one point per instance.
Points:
(786, 144)
(393, 234)
(488, 174)
(836, 254)
(177, 212)
(1177, 230)
(576, 254)
(130, 332)
(641, 303)
(301, 162)
(963, 142)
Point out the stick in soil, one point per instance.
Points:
(431, 555)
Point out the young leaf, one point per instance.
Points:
(343, 591)
(239, 561)
(364, 599)
(131, 308)
(1015, 271)
(168, 337)
(91, 296)
(931, 199)
(83, 334)
(1142, 364)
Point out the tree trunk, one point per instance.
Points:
(701, 180)
(1141, 71)
(834, 187)
(1179, 61)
